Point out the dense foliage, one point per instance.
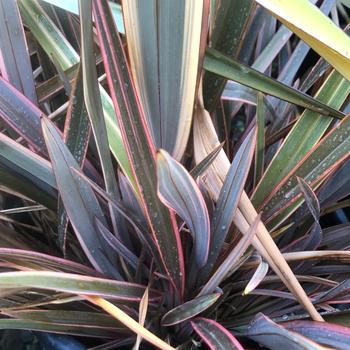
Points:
(175, 174)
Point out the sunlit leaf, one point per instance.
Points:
(317, 30)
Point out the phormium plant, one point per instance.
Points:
(175, 174)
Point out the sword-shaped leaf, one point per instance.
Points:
(229, 68)
(139, 145)
(73, 283)
(316, 29)
(189, 309)
(15, 61)
(178, 191)
(79, 201)
(215, 335)
(164, 41)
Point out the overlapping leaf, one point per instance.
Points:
(139, 145)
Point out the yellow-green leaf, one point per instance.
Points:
(316, 29)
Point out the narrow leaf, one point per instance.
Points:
(79, 201)
(142, 317)
(178, 191)
(165, 74)
(258, 276)
(227, 37)
(130, 323)
(316, 29)
(55, 45)
(214, 335)
(222, 65)
(72, 283)
(201, 167)
(260, 140)
(228, 266)
(15, 63)
(20, 114)
(305, 134)
(229, 197)
(310, 198)
(275, 337)
(57, 328)
(189, 309)
(325, 333)
(138, 143)
(316, 165)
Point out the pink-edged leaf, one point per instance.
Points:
(189, 309)
(79, 201)
(276, 337)
(75, 284)
(215, 336)
(203, 165)
(229, 197)
(329, 334)
(69, 322)
(178, 191)
(316, 165)
(20, 114)
(29, 258)
(117, 245)
(76, 136)
(8, 323)
(139, 146)
(15, 63)
(77, 127)
(310, 198)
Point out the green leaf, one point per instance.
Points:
(305, 134)
(226, 37)
(27, 173)
(178, 191)
(72, 6)
(139, 145)
(316, 29)
(92, 97)
(72, 283)
(15, 61)
(189, 309)
(67, 317)
(316, 165)
(260, 140)
(55, 45)
(224, 66)
(203, 165)
(164, 40)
